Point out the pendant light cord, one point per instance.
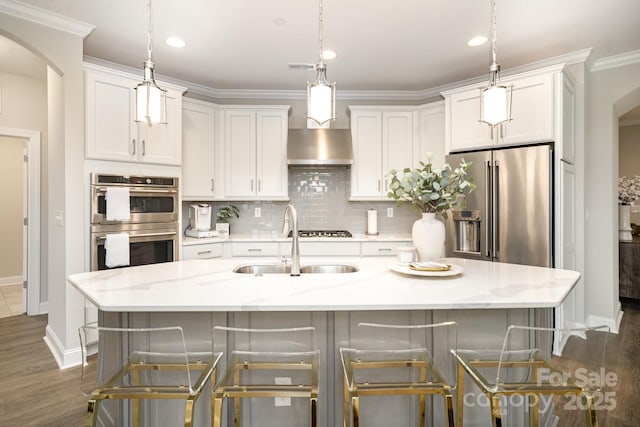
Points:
(149, 46)
(320, 31)
(494, 49)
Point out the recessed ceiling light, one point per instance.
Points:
(328, 54)
(279, 22)
(175, 42)
(477, 41)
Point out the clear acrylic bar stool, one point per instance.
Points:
(521, 369)
(394, 360)
(280, 364)
(141, 364)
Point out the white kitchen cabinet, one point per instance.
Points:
(532, 114)
(383, 139)
(329, 248)
(430, 141)
(198, 150)
(244, 249)
(111, 132)
(255, 153)
(202, 251)
(384, 248)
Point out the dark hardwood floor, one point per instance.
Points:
(34, 392)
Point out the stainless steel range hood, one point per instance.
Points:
(319, 147)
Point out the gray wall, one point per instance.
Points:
(11, 209)
(629, 160)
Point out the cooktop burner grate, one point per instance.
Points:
(323, 233)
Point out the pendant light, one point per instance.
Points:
(495, 100)
(321, 95)
(151, 99)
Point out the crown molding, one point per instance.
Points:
(615, 61)
(40, 16)
(629, 122)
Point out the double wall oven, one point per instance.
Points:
(152, 227)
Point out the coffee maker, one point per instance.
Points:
(200, 221)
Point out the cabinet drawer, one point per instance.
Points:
(239, 249)
(209, 250)
(382, 248)
(329, 248)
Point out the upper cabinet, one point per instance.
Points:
(533, 109)
(430, 141)
(111, 132)
(199, 125)
(383, 139)
(255, 152)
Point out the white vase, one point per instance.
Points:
(624, 222)
(428, 236)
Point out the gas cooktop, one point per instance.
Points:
(322, 233)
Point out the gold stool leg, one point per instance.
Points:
(236, 412)
(314, 412)
(496, 411)
(423, 400)
(188, 413)
(356, 411)
(534, 410)
(346, 409)
(460, 396)
(448, 403)
(216, 412)
(92, 413)
(136, 413)
(592, 420)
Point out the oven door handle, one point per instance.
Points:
(142, 190)
(133, 236)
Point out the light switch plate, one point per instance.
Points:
(257, 212)
(389, 212)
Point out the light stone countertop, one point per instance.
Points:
(211, 286)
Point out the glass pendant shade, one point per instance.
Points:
(495, 104)
(321, 99)
(151, 100)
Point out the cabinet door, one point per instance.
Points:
(161, 143)
(271, 154)
(109, 107)
(198, 154)
(464, 129)
(366, 172)
(240, 153)
(531, 111)
(397, 143)
(430, 141)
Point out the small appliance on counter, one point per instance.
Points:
(200, 225)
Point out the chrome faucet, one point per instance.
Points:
(291, 223)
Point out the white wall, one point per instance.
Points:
(11, 207)
(65, 186)
(629, 159)
(612, 92)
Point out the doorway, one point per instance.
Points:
(20, 222)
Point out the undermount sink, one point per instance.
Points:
(260, 269)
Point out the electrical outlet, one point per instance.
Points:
(257, 212)
(282, 401)
(389, 212)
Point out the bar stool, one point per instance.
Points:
(394, 360)
(520, 368)
(140, 364)
(266, 363)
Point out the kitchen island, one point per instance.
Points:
(198, 294)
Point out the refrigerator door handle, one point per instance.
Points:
(496, 212)
(487, 198)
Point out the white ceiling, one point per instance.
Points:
(393, 45)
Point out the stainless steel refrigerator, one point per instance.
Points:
(508, 217)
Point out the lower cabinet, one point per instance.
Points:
(204, 251)
(630, 269)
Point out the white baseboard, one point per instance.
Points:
(10, 280)
(612, 322)
(66, 358)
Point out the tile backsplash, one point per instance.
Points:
(321, 198)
